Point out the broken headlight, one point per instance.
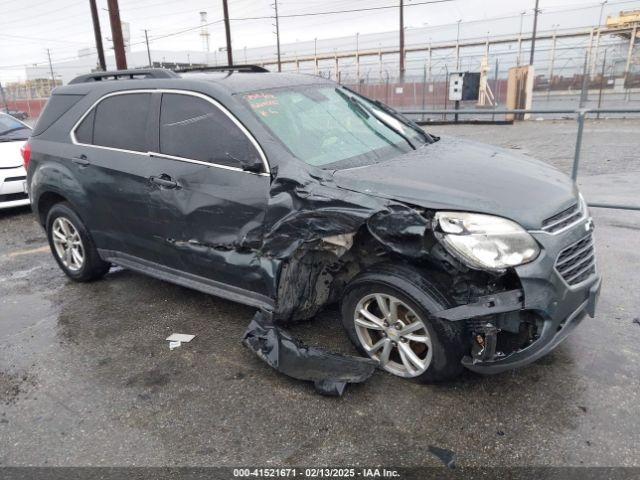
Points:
(484, 242)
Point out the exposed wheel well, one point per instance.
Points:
(45, 202)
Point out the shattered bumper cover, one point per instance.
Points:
(560, 306)
(330, 372)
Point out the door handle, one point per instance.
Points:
(164, 181)
(81, 160)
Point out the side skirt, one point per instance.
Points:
(184, 279)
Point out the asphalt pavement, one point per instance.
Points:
(87, 378)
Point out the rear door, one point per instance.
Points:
(212, 209)
(111, 157)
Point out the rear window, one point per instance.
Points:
(56, 106)
(121, 122)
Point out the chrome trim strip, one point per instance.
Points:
(582, 208)
(206, 164)
(215, 103)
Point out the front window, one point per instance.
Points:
(332, 127)
(12, 129)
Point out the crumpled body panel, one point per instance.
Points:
(330, 372)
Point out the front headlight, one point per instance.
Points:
(484, 242)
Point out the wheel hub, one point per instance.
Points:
(393, 334)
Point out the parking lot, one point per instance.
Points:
(87, 378)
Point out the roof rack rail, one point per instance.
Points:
(131, 74)
(227, 68)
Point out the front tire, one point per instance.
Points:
(72, 246)
(387, 313)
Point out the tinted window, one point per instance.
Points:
(56, 106)
(191, 127)
(121, 122)
(84, 132)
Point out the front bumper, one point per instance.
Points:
(13, 187)
(545, 293)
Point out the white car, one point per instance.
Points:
(13, 176)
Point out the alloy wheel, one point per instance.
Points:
(393, 334)
(68, 244)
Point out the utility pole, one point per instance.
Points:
(98, 34)
(116, 34)
(533, 35)
(53, 79)
(227, 29)
(275, 5)
(401, 41)
(146, 39)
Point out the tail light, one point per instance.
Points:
(26, 155)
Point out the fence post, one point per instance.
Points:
(576, 158)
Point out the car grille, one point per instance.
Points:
(562, 219)
(13, 196)
(577, 262)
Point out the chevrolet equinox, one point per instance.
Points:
(288, 192)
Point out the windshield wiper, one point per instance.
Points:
(354, 101)
(397, 115)
(362, 113)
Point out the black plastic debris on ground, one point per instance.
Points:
(447, 457)
(636, 321)
(330, 372)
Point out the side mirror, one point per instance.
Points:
(252, 164)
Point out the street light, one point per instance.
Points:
(601, 11)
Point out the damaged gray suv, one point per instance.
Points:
(289, 193)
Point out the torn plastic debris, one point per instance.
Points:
(330, 372)
(177, 339)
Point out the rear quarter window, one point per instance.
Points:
(56, 107)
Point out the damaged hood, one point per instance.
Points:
(457, 174)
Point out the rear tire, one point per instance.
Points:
(413, 343)
(72, 245)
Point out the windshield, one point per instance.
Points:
(11, 129)
(332, 127)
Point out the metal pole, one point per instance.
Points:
(116, 34)
(275, 5)
(424, 88)
(533, 35)
(401, 41)
(4, 99)
(630, 54)
(576, 158)
(604, 62)
(98, 34)
(458, 47)
(146, 39)
(315, 54)
(595, 55)
(495, 89)
(53, 79)
(357, 60)
(551, 62)
(227, 28)
(585, 81)
(518, 60)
